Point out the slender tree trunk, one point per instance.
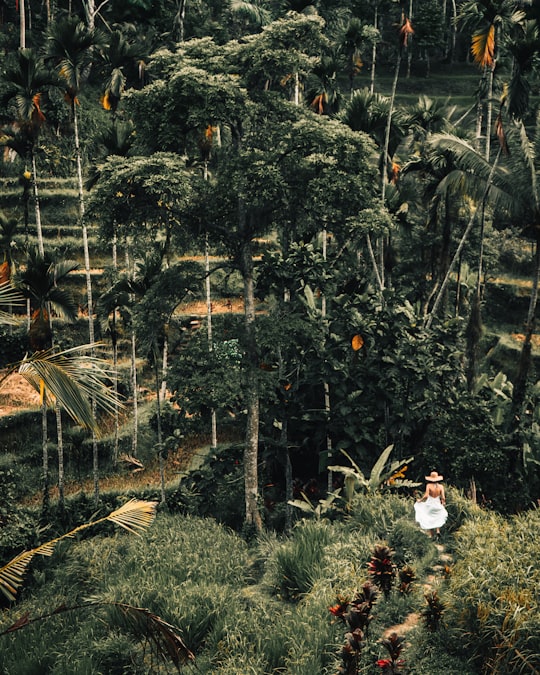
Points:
(474, 327)
(22, 27)
(37, 208)
(251, 448)
(179, 19)
(209, 329)
(165, 361)
(326, 386)
(480, 113)
(135, 437)
(454, 32)
(213, 419)
(84, 228)
(114, 341)
(409, 52)
(374, 52)
(60, 448)
(384, 178)
(95, 455)
(159, 430)
(45, 453)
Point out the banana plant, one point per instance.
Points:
(381, 475)
(319, 511)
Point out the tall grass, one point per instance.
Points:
(263, 608)
(493, 594)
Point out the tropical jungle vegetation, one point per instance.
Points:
(266, 264)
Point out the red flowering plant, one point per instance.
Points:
(407, 576)
(432, 614)
(393, 665)
(381, 568)
(357, 615)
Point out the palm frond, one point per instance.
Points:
(483, 47)
(134, 516)
(163, 637)
(165, 642)
(74, 378)
(9, 296)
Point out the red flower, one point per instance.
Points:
(384, 663)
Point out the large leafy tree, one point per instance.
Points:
(254, 176)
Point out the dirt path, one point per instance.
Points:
(430, 583)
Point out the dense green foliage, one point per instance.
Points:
(266, 606)
(363, 176)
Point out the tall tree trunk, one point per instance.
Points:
(179, 19)
(45, 454)
(60, 448)
(474, 327)
(22, 21)
(326, 386)
(213, 420)
(251, 447)
(37, 208)
(95, 453)
(114, 341)
(384, 177)
(374, 53)
(159, 430)
(135, 437)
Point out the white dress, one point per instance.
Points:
(431, 513)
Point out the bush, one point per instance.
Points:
(376, 513)
(409, 542)
(298, 562)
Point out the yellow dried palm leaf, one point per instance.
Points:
(483, 47)
(134, 516)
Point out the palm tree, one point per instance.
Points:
(521, 201)
(39, 282)
(351, 44)
(480, 174)
(27, 80)
(322, 90)
(493, 21)
(255, 13)
(69, 46)
(122, 65)
(71, 376)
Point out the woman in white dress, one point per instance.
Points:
(431, 514)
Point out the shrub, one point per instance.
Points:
(376, 513)
(409, 542)
(297, 562)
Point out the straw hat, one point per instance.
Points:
(434, 477)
